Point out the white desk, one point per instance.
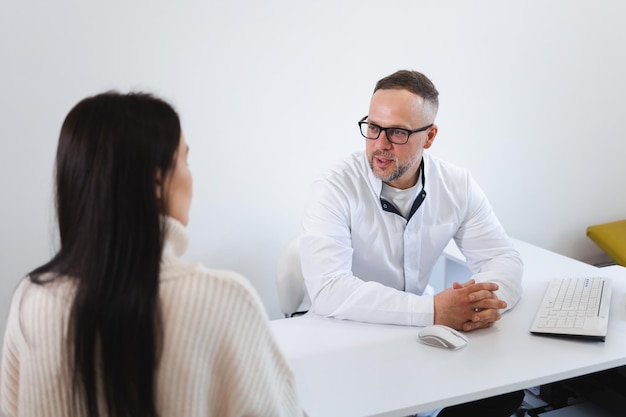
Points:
(346, 368)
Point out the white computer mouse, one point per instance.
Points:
(442, 336)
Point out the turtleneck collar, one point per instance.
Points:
(176, 238)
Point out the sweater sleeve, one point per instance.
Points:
(10, 377)
(220, 354)
(263, 375)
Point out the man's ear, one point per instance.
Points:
(432, 132)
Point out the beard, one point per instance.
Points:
(400, 170)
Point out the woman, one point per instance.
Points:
(116, 324)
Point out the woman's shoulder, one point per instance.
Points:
(193, 282)
(47, 286)
(39, 306)
(226, 278)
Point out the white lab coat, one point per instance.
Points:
(363, 263)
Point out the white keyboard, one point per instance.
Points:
(575, 306)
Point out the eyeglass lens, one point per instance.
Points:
(372, 131)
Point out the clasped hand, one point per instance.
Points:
(468, 306)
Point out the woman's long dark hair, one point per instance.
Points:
(111, 147)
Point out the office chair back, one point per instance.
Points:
(292, 294)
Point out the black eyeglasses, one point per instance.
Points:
(395, 135)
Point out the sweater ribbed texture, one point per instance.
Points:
(219, 356)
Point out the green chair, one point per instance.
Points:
(611, 238)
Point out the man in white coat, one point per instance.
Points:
(376, 223)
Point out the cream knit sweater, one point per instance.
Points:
(219, 356)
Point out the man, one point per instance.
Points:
(376, 224)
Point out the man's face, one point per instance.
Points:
(397, 165)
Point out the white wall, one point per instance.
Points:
(270, 92)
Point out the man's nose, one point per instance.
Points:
(383, 142)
